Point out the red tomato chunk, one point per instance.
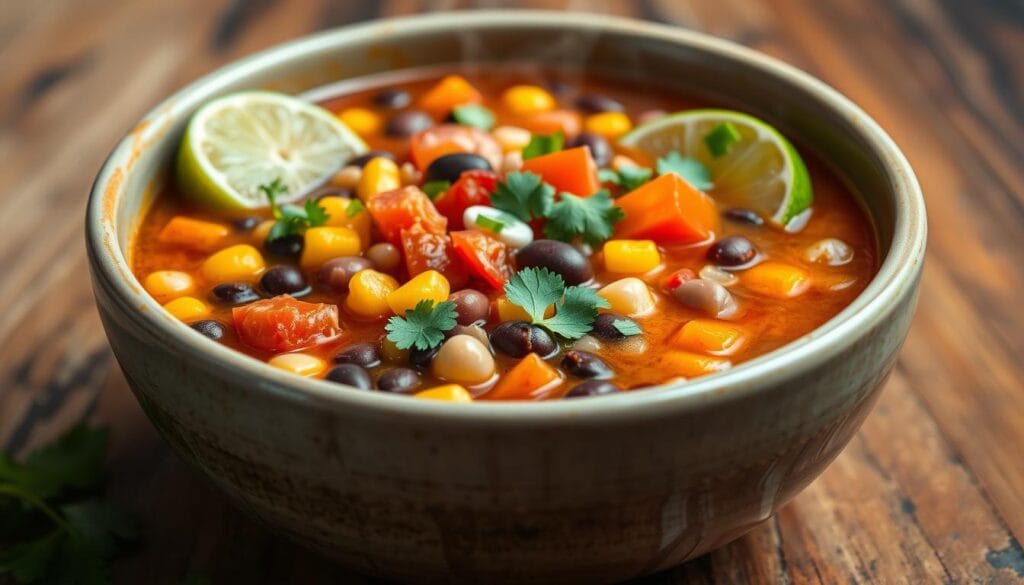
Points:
(284, 324)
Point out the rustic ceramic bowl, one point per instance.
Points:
(589, 491)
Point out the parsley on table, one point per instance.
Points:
(591, 219)
(689, 168)
(535, 289)
(54, 528)
(291, 219)
(628, 178)
(524, 195)
(422, 327)
(541, 144)
(474, 115)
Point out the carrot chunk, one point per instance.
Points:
(451, 91)
(195, 234)
(667, 210)
(528, 380)
(570, 170)
(565, 121)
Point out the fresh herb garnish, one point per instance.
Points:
(422, 327)
(628, 178)
(627, 327)
(489, 223)
(291, 219)
(435, 189)
(535, 289)
(55, 528)
(721, 139)
(591, 219)
(355, 207)
(474, 115)
(690, 169)
(541, 144)
(523, 195)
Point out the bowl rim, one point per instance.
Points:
(897, 272)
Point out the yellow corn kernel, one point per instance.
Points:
(261, 231)
(446, 393)
(302, 364)
(325, 243)
(362, 121)
(691, 365)
(368, 293)
(511, 138)
(509, 311)
(628, 296)
(775, 279)
(710, 336)
(187, 308)
(611, 125)
(239, 262)
(631, 256)
(524, 100)
(379, 176)
(194, 234)
(165, 285)
(429, 285)
(337, 210)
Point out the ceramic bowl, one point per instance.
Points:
(589, 491)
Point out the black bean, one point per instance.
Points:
(557, 257)
(600, 150)
(594, 103)
(351, 375)
(361, 160)
(741, 215)
(732, 251)
(560, 89)
(284, 279)
(422, 358)
(592, 388)
(212, 329)
(336, 273)
(604, 326)
(584, 364)
(244, 224)
(518, 338)
(360, 354)
(450, 166)
(471, 305)
(395, 99)
(235, 293)
(286, 246)
(405, 124)
(400, 380)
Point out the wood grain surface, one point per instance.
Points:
(930, 491)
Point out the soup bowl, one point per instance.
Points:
(593, 490)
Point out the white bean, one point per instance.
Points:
(831, 251)
(514, 233)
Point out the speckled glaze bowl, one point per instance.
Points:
(589, 491)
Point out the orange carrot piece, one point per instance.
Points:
(528, 380)
(570, 170)
(667, 210)
(567, 122)
(451, 91)
(194, 234)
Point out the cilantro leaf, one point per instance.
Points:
(355, 207)
(721, 139)
(523, 195)
(535, 289)
(627, 177)
(291, 219)
(315, 214)
(435, 189)
(74, 461)
(589, 218)
(627, 327)
(609, 176)
(575, 312)
(689, 168)
(422, 327)
(273, 190)
(541, 144)
(474, 115)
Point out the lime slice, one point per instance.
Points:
(756, 168)
(238, 142)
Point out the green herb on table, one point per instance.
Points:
(535, 289)
(422, 327)
(291, 219)
(689, 168)
(541, 144)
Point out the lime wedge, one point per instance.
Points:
(240, 141)
(755, 166)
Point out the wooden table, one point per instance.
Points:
(931, 490)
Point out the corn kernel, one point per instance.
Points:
(368, 293)
(194, 234)
(628, 296)
(302, 364)
(187, 308)
(684, 363)
(240, 262)
(524, 100)
(379, 175)
(611, 125)
(362, 121)
(338, 216)
(261, 231)
(710, 336)
(325, 243)
(631, 256)
(165, 285)
(429, 285)
(511, 138)
(509, 311)
(446, 393)
(775, 279)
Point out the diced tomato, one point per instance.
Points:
(485, 256)
(667, 210)
(570, 170)
(450, 138)
(472, 188)
(284, 324)
(400, 209)
(430, 251)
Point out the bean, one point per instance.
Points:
(732, 251)
(518, 338)
(399, 380)
(284, 279)
(235, 293)
(708, 296)
(604, 326)
(472, 306)
(557, 257)
(592, 388)
(559, 89)
(594, 103)
(471, 330)
(351, 375)
(244, 224)
(450, 166)
(361, 160)
(741, 215)
(384, 256)
(212, 329)
(405, 124)
(286, 246)
(422, 358)
(464, 360)
(396, 99)
(584, 364)
(600, 150)
(335, 274)
(831, 251)
(361, 354)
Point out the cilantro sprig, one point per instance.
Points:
(541, 144)
(422, 327)
(291, 219)
(689, 168)
(535, 289)
(628, 178)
